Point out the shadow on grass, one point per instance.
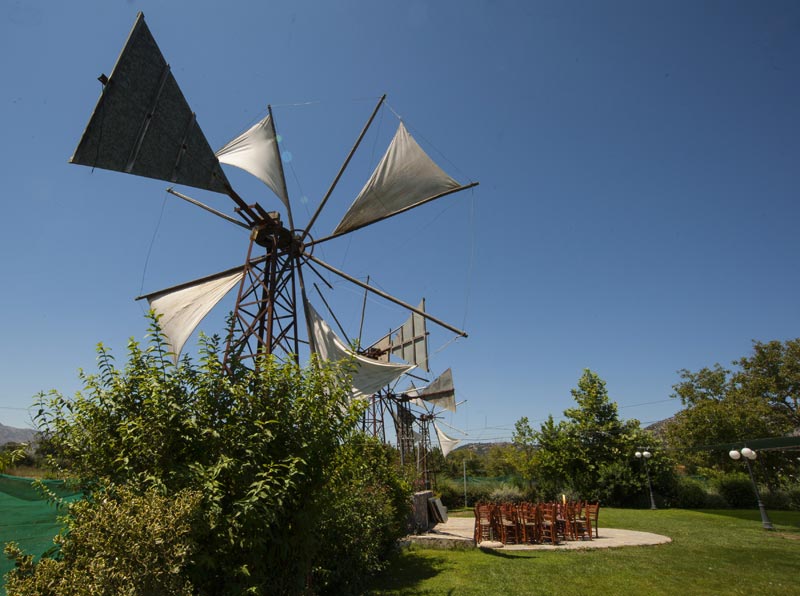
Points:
(494, 552)
(783, 518)
(406, 570)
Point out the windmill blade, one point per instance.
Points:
(446, 443)
(408, 342)
(205, 207)
(183, 307)
(256, 151)
(369, 376)
(142, 124)
(441, 392)
(405, 178)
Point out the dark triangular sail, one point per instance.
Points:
(143, 125)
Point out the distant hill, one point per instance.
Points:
(659, 428)
(9, 434)
(481, 448)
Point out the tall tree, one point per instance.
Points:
(523, 455)
(772, 373)
(757, 399)
(575, 454)
(598, 436)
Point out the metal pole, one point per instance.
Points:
(464, 461)
(649, 485)
(342, 169)
(388, 297)
(765, 522)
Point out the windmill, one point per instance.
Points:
(438, 394)
(413, 411)
(409, 343)
(142, 125)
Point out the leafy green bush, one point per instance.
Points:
(714, 500)
(365, 515)
(777, 499)
(451, 491)
(736, 489)
(120, 542)
(506, 493)
(274, 454)
(619, 486)
(691, 494)
(794, 497)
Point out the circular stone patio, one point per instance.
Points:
(457, 533)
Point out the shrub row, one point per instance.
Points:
(726, 491)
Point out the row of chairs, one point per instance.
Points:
(536, 523)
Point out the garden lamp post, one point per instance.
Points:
(645, 455)
(748, 455)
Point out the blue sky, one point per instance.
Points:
(637, 210)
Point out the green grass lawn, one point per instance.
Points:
(713, 552)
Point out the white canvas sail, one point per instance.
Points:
(405, 177)
(183, 308)
(256, 151)
(369, 375)
(446, 443)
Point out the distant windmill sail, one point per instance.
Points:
(409, 342)
(441, 392)
(143, 125)
(446, 443)
(182, 308)
(256, 151)
(405, 177)
(369, 375)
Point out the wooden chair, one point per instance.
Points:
(582, 526)
(484, 522)
(547, 519)
(567, 521)
(528, 523)
(592, 513)
(509, 527)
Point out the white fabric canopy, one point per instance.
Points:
(256, 151)
(405, 177)
(369, 375)
(446, 443)
(182, 310)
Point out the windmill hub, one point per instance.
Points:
(270, 233)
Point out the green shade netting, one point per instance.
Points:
(27, 517)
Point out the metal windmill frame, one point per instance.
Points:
(142, 125)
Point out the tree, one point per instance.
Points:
(497, 461)
(578, 454)
(458, 459)
(11, 453)
(757, 399)
(523, 456)
(772, 373)
(264, 449)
